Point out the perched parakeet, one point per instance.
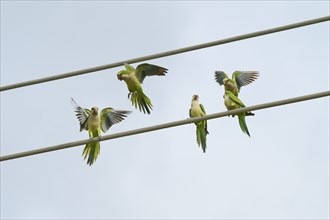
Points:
(239, 79)
(94, 122)
(134, 79)
(198, 110)
(233, 102)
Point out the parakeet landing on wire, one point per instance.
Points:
(95, 122)
(239, 79)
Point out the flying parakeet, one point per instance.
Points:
(94, 122)
(197, 110)
(134, 79)
(239, 79)
(233, 102)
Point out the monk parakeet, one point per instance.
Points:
(233, 102)
(198, 110)
(239, 79)
(94, 122)
(134, 79)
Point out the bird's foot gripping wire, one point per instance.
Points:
(91, 139)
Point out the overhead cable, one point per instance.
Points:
(164, 54)
(166, 125)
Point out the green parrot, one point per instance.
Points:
(94, 122)
(233, 102)
(239, 79)
(134, 79)
(198, 110)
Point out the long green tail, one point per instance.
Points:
(242, 124)
(91, 152)
(139, 99)
(201, 133)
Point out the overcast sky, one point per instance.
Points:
(281, 171)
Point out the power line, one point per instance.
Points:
(167, 53)
(166, 125)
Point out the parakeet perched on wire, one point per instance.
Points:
(94, 122)
(134, 79)
(233, 102)
(239, 79)
(198, 110)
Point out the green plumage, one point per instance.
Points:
(242, 124)
(141, 101)
(232, 102)
(91, 152)
(134, 79)
(201, 133)
(198, 110)
(239, 79)
(94, 123)
(232, 88)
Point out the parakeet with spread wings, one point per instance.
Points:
(134, 79)
(95, 122)
(239, 79)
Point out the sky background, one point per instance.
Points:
(281, 171)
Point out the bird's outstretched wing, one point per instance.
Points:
(220, 76)
(243, 78)
(110, 116)
(82, 114)
(146, 69)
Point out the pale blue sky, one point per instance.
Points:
(281, 171)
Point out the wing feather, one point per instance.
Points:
(82, 115)
(203, 109)
(205, 122)
(243, 78)
(146, 69)
(220, 76)
(235, 99)
(110, 116)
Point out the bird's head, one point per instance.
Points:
(195, 97)
(95, 110)
(121, 75)
(225, 80)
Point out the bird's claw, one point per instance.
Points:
(91, 139)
